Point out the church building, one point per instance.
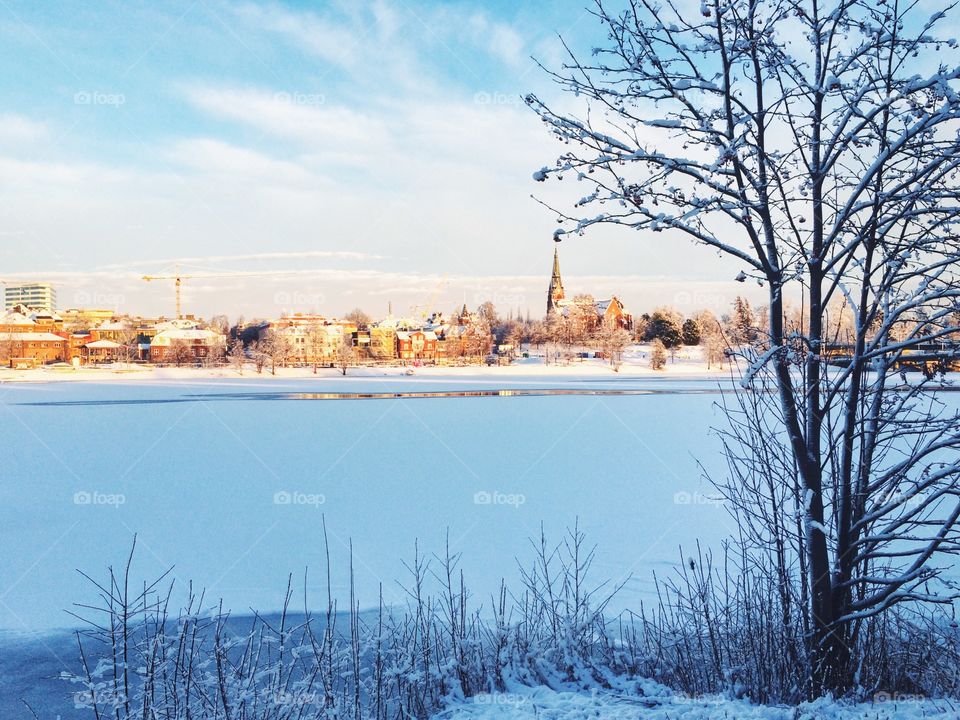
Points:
(555, 294)
(610, 311)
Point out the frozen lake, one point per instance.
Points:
(227, 481)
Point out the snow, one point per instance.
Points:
(546, 704)
(106, 344)
(688, 364)
(664, 123)
(226, 479)
(194, 464)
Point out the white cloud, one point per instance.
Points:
(299, 115)
(334, 42)
(18, 130)
(214, 157)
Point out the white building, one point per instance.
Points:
(186, 345)
(311, 344)
(36, 296)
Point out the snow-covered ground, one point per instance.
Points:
(227, 480)
(686, 362)
(545, 704)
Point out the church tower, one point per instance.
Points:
(555, 294)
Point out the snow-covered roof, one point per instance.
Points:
(166, 337)
(114, 325)
(178, 324)
(427, 334)
(12, 317)
(103, 344)
(31, 337)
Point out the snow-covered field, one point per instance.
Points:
(227, 481)
(687, 362)
(546, 704)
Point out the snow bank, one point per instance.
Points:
(546, 704)
(686, 362)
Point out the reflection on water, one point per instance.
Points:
(406, 395)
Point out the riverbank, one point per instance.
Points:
(687, 364)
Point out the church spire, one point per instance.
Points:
(555, 294)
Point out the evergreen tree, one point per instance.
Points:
(742, 324)
(666, 326)
(692, 334)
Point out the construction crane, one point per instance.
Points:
(179, 277)
(423, 310)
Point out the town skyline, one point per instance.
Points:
(208, 290)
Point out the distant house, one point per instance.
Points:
(31, 338)
(29, 349)
(179, 345)
(417, 345)
(313, 344)
(383, 343)
(99, 351)
(611, 312)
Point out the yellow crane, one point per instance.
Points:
(179, 277)
(424, 310)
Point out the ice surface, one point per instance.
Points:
(230, 492)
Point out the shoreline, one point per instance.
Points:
(588, 370)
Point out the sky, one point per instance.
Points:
(320, 156)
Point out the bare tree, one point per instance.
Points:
(613, 340)
(658, 355)
(359, 318)
(180, 352)
(237, 355)
(582, 318)
(815, 144)
(345, 353)
(7, 347)
(273, 348)
(221, 324)
(488, 313)
(316, 341)
(260, 352)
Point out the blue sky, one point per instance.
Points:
(382, 144)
